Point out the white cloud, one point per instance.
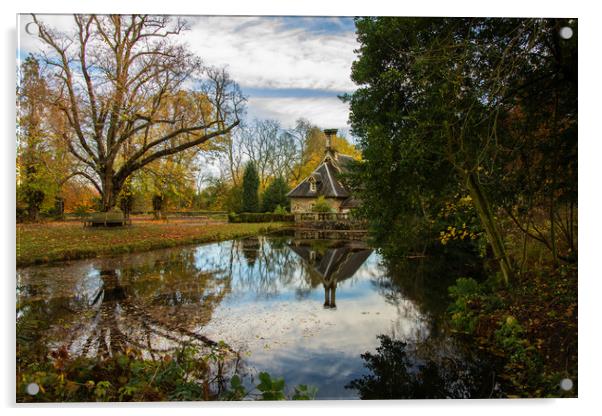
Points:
(266, 53)
(263, 52)
(325, 112)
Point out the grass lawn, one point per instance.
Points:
(56, 241)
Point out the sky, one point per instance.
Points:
(287, 67)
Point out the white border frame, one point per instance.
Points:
(589, 196)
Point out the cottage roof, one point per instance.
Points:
(339, 262)
(350, 203)
(344, 162)
(326, 178)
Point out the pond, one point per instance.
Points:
(305, 310)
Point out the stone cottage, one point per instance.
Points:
(325, 181)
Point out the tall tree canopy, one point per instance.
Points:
(43, 163)
(448, 105)
(118, 82)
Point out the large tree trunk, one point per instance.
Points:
(110, 190)
(108, 199)
(494, 236)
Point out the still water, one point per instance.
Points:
(305, 310)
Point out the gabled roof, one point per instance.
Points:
(344, 162)
(326, 177)
(340, 263)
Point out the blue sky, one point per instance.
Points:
(288, 67)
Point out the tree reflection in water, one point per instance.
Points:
(158, 301)
(269, 267)
(430, 367)
(156, 307)
(400, 370)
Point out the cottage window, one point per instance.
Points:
(312, 185)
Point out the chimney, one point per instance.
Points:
(329, 133)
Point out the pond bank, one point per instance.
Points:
(60, 241)
(531, 325)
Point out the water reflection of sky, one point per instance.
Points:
(258, 295)
(303, 342)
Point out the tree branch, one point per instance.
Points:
(129, 168)
(85, 175)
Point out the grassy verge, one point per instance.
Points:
(44, 243)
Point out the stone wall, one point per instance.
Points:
(306, 204)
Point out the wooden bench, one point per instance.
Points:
(106, 219)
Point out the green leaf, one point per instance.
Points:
(235, 381)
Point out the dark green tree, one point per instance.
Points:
(275, 195)
(433, 115)
(250, 189)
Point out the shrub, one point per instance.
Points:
(509, 335)
(280, 210)
(321, 205)
(21, 212)
(466, 294)
(126, 376)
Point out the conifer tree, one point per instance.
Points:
(250, 188)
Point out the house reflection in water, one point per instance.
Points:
(331, 262)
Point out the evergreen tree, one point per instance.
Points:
(250, 188)
(275, 194)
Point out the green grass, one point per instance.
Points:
(50, 242)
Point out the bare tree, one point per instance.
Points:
(233, 154)
(274, 151)
(298, 136)
(258, 143)
(118, 80)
